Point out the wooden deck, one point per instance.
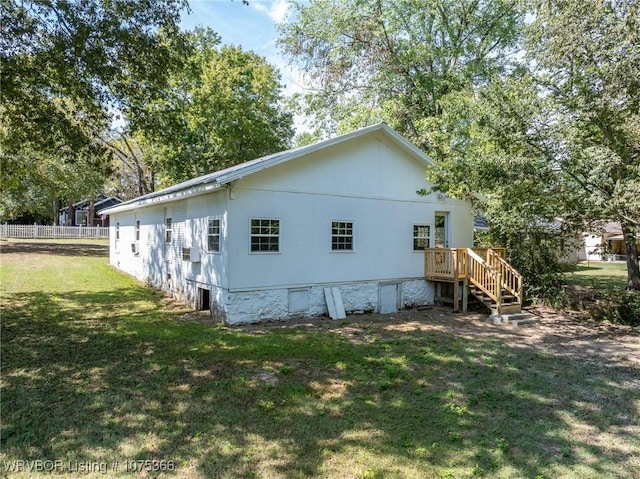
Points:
(482, 271)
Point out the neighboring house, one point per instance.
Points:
(606, 244)
(86, 213)
(262, 240)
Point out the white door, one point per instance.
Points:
(441, 232)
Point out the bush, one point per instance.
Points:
(620, 307)
(542, 272)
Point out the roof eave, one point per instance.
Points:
(173, 196)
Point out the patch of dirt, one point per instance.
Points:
(561, 333)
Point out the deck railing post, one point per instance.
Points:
(499, 291)
(456, 283)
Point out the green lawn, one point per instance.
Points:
(599, 275)
(96, 368)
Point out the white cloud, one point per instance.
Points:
(277, 10)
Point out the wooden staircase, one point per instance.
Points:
(483, 272)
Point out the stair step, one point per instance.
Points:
(510, 308)
(515, 319)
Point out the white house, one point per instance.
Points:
(262, 240)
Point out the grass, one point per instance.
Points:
(599, 275)
(96, 368)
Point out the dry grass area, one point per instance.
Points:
(98, 370)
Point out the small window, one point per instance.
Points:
(137, 230)
(168, 230)
(265, 235)
(186, 254)
(341, 236)
(117, 231)
(421, 235)
(213, 235)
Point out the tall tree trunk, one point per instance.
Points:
(56, 212)
(71, 216)
(91, 213)
(633, 269)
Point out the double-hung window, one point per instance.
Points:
(265, 235)
(168, 230)
(213, 235)
(341, 236)
(421, 235)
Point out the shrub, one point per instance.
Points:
(620, 307)
(542, 272)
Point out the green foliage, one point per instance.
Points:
(535, 257)
(94, 53)
(66, 67)
(224, 107)
(394, 60)
(621, 307)
(32, 182)
(587, 56)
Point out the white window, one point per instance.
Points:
(265, 235)
(117, 242)
(137, 231)
(421, 234)
(213, 235)
(168, 229)
(341, 236)
(81, 217)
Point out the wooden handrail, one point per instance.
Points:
(445, 263)
(491, 274)
(482, 252)
(512, 281)
(482, 275)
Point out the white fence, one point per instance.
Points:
(49, 231)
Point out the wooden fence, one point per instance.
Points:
(52, 232)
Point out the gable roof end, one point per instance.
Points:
(213, 181)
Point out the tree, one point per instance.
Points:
(559, 137)
(66, 67)
(35, 183)
(588, 60)
(133, 168)
(95, 54)
(224, 107)
(394, 60)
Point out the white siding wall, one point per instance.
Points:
(592, 250)
(160, 263)
(367, 183)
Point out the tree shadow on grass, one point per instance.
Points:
(108, 375)
(57, 249)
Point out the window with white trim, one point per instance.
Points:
(213, 235)
(265, 235)
(341, 236)
(168, 230)
(117, 241)
(137, 231)
(421, 234)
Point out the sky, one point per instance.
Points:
(253, 27)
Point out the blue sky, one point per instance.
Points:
(253, 26)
